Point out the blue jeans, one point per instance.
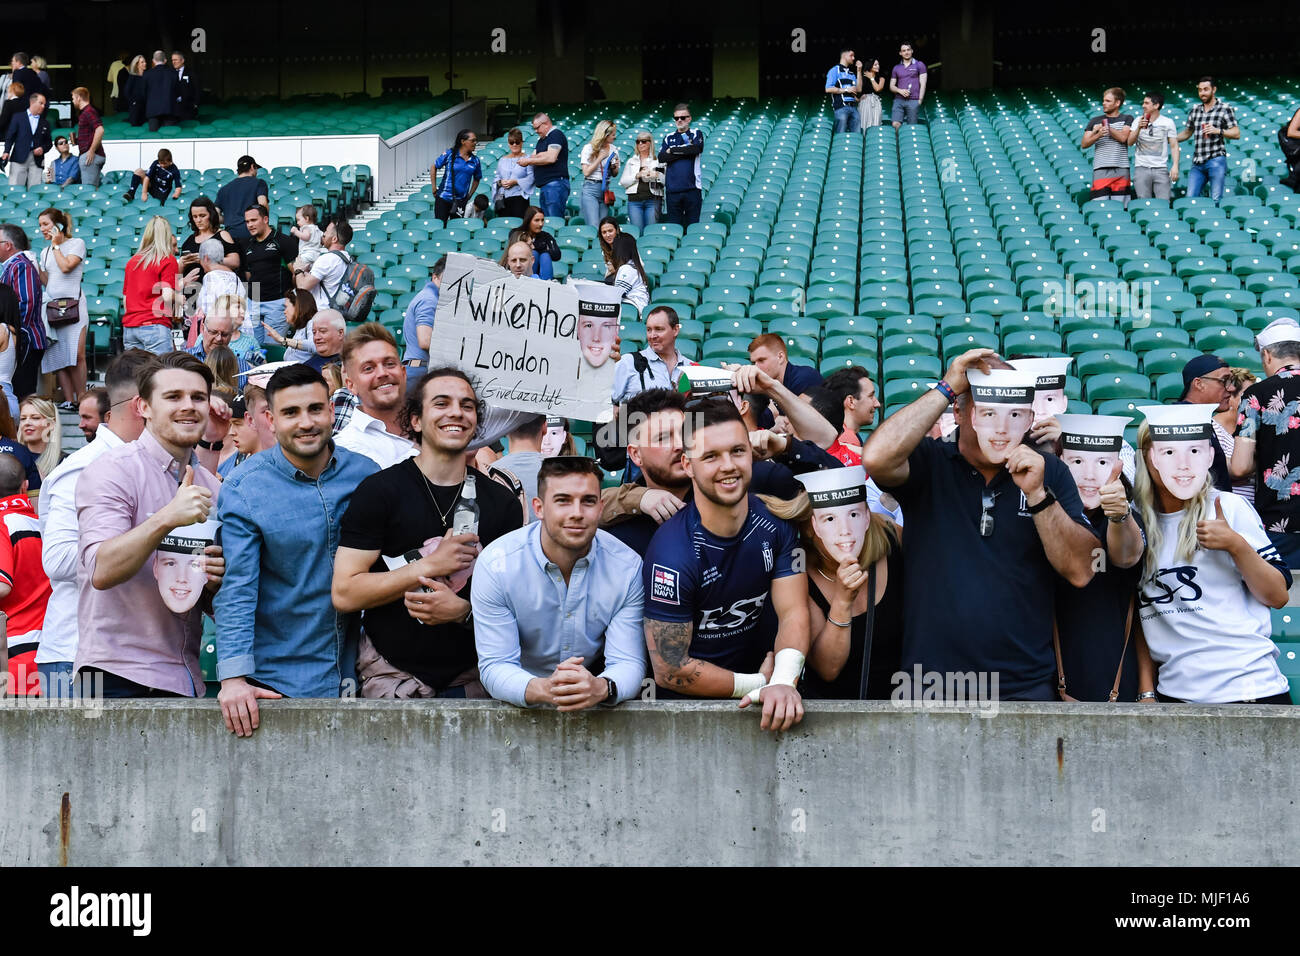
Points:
(152, 338)
(543, 266)
(56, 679)
(589, 201)
(846, 119)
(273, 314)
(642, 213)
(683, 207)
(1216, 170)
(553, 196)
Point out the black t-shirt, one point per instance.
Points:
(235, 197)
(1091, 624)
(263, 262)
(391, 512)
(191, 245)
(560, 168)
(975, 604)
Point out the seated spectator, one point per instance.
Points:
(9, 445)
(92, 411)
(40, 431)
(329, 329)
(513, 184)
(768, 352)
(24, 587)
(64, 170)
(218, 278)
(372, 373)
(132, 642)
(479, 209)
(546, 251)
(308, 235)
(997, 522)
(225, 371)
(519, 259)
(1211, 572)
(1101, 656)
(298, 341)
(417, 639)
(58, 507)
(709, 574)
(236, 195)
(278, 634)
(531, 650)
(629, 274)
(655, 366)
(222, 327)
(855, 587)
(643, 178)
(161, 181)
(417, 326)
(205, 224)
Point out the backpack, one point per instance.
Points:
(356, 289)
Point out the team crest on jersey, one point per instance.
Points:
(768, 558)
(663, 585)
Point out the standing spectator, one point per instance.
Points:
(11, 335)
(870, 85)
(15, 102)
(546, 251)
(1225, 427)
(63, 171)
(1266, 450)
(58, 506)
(248, 412)
(1109, 133)
(40, 431)
(278, 634)
(39, 67)
(997, 521)
(554, 599)
(907, 83)
(658, 364)
(307, 233)
(1211, 573)
(149, 290)
(326, 274)
(61, 265)
(550, 165)
(133, 90)
(24, 587)
(683, 185)
(160, 93)
(265, 257)
(161, 181)
(643, 178)
(843, 85)
(299, 310)
(187, 89)
(463, 171)
(235, 196)
(599, 161)
(136, 496)
(1157, 140)
(205, 224)
(372, 371)
(92, 411)
(855, 391)
(1210, 121)
(633, 512)
(21, 275)
(225, 373)
(1207, 379)
(21, 72)
(116, 77)
(417, 325)
(223, 326)
(27, 141)
(513, 184)
(418, 639)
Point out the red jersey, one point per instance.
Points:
(29, 590)
(847, 448)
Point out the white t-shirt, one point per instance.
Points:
(599, 174)
(64, 285)
(329, 269)
(628, 281)
(1153, 143)
(1210, 636)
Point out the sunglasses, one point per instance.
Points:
(682, 119)
(643, 140)
(987, 498)
(1225, 381)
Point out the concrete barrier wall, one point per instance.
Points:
(328, 783)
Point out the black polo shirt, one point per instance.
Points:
(975, 604)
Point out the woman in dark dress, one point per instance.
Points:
(855, 587)
(133, 91)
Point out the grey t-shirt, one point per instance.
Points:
(1110, 153)
(1153, 143)
(524, 465)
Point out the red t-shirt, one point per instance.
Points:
(847, 449)
(21, 569)
(142, 288)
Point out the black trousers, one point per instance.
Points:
(515, 206)
(27, 373)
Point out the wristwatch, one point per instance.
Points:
(1049, 499)
(612, 697)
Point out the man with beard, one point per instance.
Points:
(135, 496)
(399, 560)
(373, 372)
(995, 521)
(277, 632)
(708, 573)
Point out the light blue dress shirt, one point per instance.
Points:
(526, 621)
(628, 382)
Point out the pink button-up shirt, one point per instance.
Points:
(127, 630)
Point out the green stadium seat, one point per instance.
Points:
(1124, 406)
(959, 342)
(1209, 339)
(1169, 386)
(1085, 339)
(852, 325)
(1193, 320)
(1110, 385)
(1031, 342)
(1159, 361)
(919, 343)
(1102, 361)
(912, 366)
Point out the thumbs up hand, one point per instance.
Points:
(1216, 534)
(191, 504)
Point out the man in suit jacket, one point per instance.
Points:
(19, 63)
(27, 141)
(160, 92)
(187, 88)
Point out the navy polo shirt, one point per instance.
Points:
(975, 604)
(800, 378)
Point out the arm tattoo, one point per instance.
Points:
(672, 642)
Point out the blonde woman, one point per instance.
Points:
(133, 90)
(643, 178)
(149, 290)
(1210, 573)
(61, 264)
(599, 159)
(39, 431)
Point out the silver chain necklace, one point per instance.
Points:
(428, 488)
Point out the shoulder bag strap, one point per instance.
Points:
(1060, 667)
(866, 637)
(1128, 632)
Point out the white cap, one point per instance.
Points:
(702, 380)
(1279, 330)
(1002, 386)
(268, 369)
(1093, 432)
(1179, 422)
(1049, 373)
(832, 487)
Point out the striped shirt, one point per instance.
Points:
(845, 79)
(1221, 117)
(19, 273)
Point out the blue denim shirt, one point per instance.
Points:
(280, 529)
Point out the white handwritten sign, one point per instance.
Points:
(529, 345)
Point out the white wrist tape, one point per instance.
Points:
(786, 670)
(748, 685)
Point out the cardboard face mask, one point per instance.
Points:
(1049, 403)
(180, 567)
(596, 338)
(841, 529)
(1182, 465)
(1092, 470)
(1000, 428)
(553, 437)
(1049, 384)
